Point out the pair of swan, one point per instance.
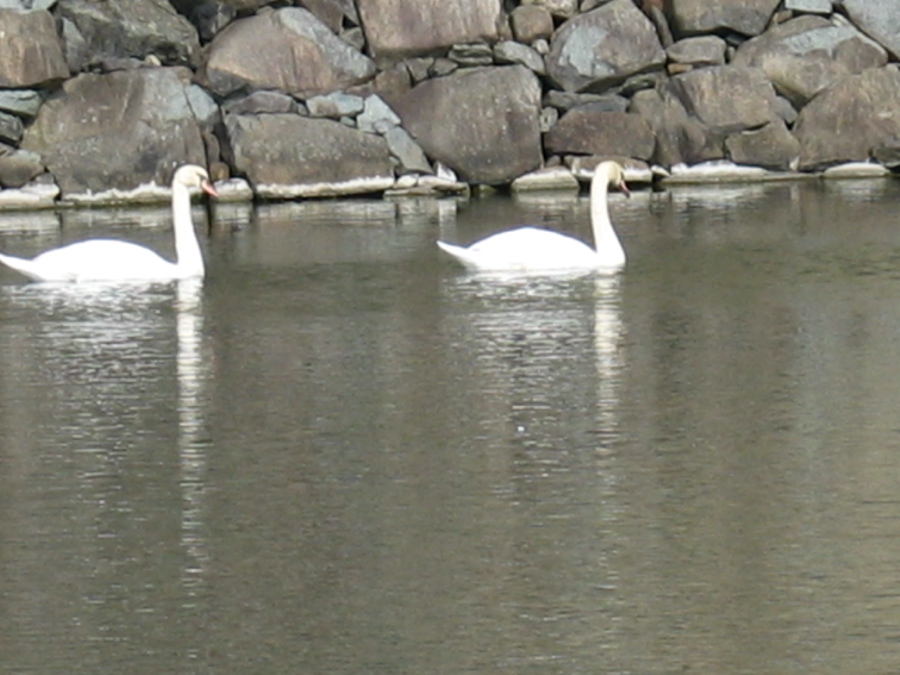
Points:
(115, 260)
(525, 249)
(530, 249)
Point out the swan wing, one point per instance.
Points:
(525, 249)
(101, 260)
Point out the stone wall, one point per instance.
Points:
(326, 97)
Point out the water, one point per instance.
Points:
(342, 454)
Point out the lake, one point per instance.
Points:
(344, 454)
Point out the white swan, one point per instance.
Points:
(115, 260)
(531, 249)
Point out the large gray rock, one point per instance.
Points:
(880, 20)
(809, 54)
(604, 47)
(680, 138)
(31, 51)
(851, 119)
(484, 123)
(131, 28)
(771, 147)
(396, 29)
(289, 50)
(290, 155)
(22, 102)
(727, 98)
(749, 17)
(117, 130)
(17, 167)
(585, 131)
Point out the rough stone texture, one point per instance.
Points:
(408, 153)
(560, 8)
(880, 20)
(377, 116)
(117, 130)
(530, 23)
(291, 150)
(22, 102)
(585, 131)
(481, 148)
(808, 54)
(17, 167)
(515, 52)
(771, 147)
(334, 105)
(809, 6)
(749, 17)
(260, 102)
(399, 28)
(680, 138)
(848, 121)
(597, 50)
(727, 98)
(31, 52)
(289, 50)
(11, 128)
(707, 50)
(136, 28)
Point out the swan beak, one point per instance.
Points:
(624, 189)
(208, 188)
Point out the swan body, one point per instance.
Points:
(115, 260)
(531, 249)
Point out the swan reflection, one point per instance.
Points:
(121, 369)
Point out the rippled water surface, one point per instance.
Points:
(343, 454)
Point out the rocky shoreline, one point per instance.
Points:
(100, 100)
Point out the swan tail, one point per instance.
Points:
(23, 266)
(462, 254)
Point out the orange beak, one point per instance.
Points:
(624, 189)
(208, 188)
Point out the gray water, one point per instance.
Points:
(343, 454)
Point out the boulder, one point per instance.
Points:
(561, 8)
(131, 28)
(771, 147)
(31, 51)
(748, 17)
(847, 122)
(261, 102)
(880, 20)
(530, 23)
(289, 50)
(602, 48)
(727, 98)
(118, 130)
(680, 138)
(22, 102)
(18, 167)
(409, 154)
(450, 119)
(396, 29)
(583, 131)
(11, 128)
(515, 52)
(335, 105)
(809, 54)
(291, 156)
(707, 50)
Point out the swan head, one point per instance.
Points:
(613, 174)
(193, 176)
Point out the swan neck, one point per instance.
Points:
(187, 248)
(606, 242)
